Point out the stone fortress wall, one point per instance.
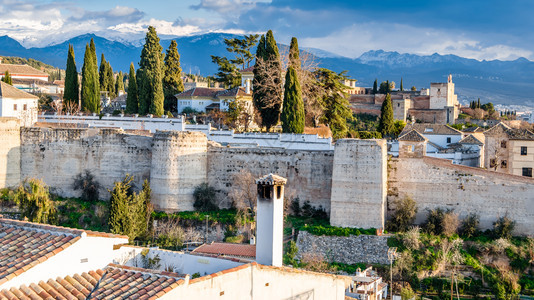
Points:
(351, 182)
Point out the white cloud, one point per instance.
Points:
(234, 7)
(356, 39)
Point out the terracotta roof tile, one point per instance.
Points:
(200, 92)
(9, 91)
(431, 129)
(113, 282)
(412, 136)
(471, 139)
(240, 250)
(15, 70)
(512, 133)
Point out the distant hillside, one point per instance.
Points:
(504, 82)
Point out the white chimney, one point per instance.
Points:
(270, 220)
(247, 86)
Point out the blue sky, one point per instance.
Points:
(490, 29)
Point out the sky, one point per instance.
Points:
(490, 29)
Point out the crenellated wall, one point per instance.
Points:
(57, 156)
(351, 183)
(308, 173)
(436, 183)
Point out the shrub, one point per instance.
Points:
(189, 110)
(309, 211)
(403, 216)
(204, 198)
(289, 256)
(170, 235)
(238, 239)
(33, 199)
(503, 227)
(295, 207)
(407, 293)
(88, 185)
(469, 226)
(441, 221)
(411, 238)
(450, 223)
(116, 112)
(364, 135)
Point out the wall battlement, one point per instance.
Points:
(354, 183)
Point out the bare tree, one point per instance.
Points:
(71, 107)
(243, 194)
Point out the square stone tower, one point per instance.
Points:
(270, 220)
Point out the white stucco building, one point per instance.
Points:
(18, 104)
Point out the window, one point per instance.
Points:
(527, 172)
(412, 148)
(504, 164)
(448, 140)
(523, 150)
(429, 129)
(278, 192)
(25, 107)
(14, 107)
(503, 144)
(398, 104)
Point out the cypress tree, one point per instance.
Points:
(375, 87)
(386, 123)
(131, 99)
(7, 78)
(172, 79)
(102, 74)
(110, 81)
(401, 88)
(268, 102)
(294, 54)
(388, 88)
(292, 116)
(72, 87)
(478, 103)
(90, 86)
(119, 84)
(150, 75)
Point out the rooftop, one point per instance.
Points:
(512, 133)
(24, 245)
(9, 91)
(438, 129)
(20, 70)
(199, 92)
(471, 139)
(412, 136)
(112, 282)
(229, 249)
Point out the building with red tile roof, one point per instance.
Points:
(228, 249)
(30, 252)
(22, 72)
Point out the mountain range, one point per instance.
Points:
(501, 82)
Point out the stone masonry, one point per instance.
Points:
(345, 249)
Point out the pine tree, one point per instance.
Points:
(131, 99)
(119, 84)
(294, 54)
(90, 86)
(375, 87)
(172, 79)
(268, 81)
(386, 123)
(150, 75)
(7, 78)
(72, 87)
(292, 116)
(401, 88)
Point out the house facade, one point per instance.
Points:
(18, 104)
(22, 72)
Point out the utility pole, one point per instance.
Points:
(206, 237)
(392, 255)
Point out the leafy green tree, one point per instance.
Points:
(403, 216)
(267, 92)
(386, 124)
(172, 79)
(90, 85)
(335, 102)
(119, 84)
(150, 75)
(88, 186)
(129, 211)
(294, 54)
(132, 104)
(7, 78)
(292, 116)
(375, 87)
(413, 88)
(228, 73)
(399, 126)
(386, 87)
(72, 87)
(33, 199)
